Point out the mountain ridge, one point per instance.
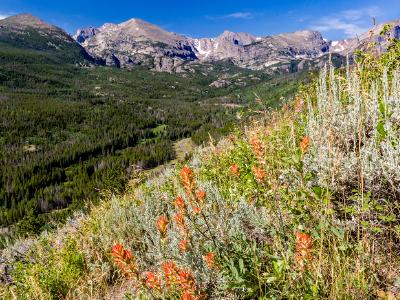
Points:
(25, 31)
(243, 49)
(138, 42)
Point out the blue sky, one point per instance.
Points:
(336, 19)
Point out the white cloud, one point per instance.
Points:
(350, 22)
(3, 16)
(239, 15)
(350, 29)
(236, 15)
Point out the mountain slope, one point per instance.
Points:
(27, 32)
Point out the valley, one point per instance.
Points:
(70, 131)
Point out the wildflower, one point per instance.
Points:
(201, 195)
(187, 295)
(187, 179)
(183, 245)
(304, 247)
(170, 272)
(186, 280)
(299, 104)
(119, 253)
(257, 147)
(162, 223)
(209, 258)
(259, 174)
(197, 210)
(124, 260)
(305, 144)
(180, 220)
(152, 280)
(180, 203)
(234, 170)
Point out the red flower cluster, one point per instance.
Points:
(180, 221)
(180, 279)
(234, 170)
(124, 260)
(187, 180)
(162, 223)
(209, 258)
(183, 245)
(180, 203)
(304, 248)
(201, 195)
(305, 144)
(152, 281)
(197, 210)
(257, 147)
(259, 174)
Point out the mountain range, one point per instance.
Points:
(137, 42)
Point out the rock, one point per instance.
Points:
(220, 83)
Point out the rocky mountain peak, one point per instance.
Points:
(140, 28)
(83, 34)
(237, 38)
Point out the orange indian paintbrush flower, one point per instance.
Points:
(183, 245)
(234, 169)
(305, 144)
(162, 224)
(257, 147)
(187, 179)
(209, 258)
(180, 220)
(304, 248)
(152, 281)
(197, 210)
(180, 203)
(299, 104)
(124, 260)
(259, 173)
(187, 295)
(201, 195)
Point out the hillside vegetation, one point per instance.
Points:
(303, 203)
(69, 131)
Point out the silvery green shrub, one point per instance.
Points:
(355, 134)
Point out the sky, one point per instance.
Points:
(336, 19)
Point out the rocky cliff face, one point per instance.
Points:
(138, 42)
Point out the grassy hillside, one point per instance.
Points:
(302, 203)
